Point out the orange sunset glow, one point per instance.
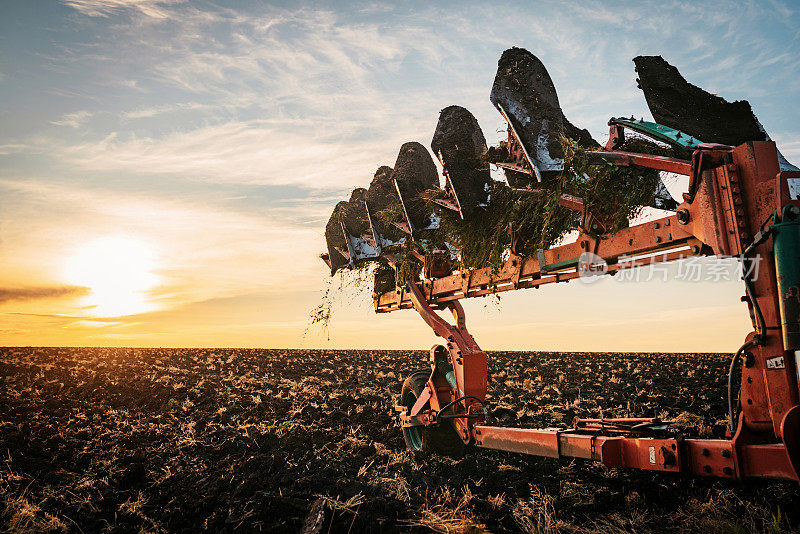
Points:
(168, 169)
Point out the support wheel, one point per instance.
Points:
(441, 439)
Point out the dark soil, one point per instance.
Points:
(460, 143)
(355, 214)
(579, 135)
(676, 103)
(415, 172)
(334, 237)
(525, 90)
(132, 440)
(381, 195)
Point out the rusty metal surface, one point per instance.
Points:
(712, 457)
(664, 235)
(522, 440)
(661, 163)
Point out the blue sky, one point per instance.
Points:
(218, 136)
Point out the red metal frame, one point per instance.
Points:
(732, 192)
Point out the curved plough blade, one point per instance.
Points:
(676, 103)
(414, 173)
(382, 203)
(525, 95)
(360, 230)
(338, 255)
(460, 145)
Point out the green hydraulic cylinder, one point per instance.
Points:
(786, 239)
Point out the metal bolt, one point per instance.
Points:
(705, 452)
(749, 359)
(727, 470)
(658, 239)
(695, 249)
(726, 453)
(683, 216)
(656, 226)
(706, 468)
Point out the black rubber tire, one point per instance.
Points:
(441, 439)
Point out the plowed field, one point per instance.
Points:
(130, 440)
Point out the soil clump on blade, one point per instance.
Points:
(334, 237)
(676, 103)
(380, 197)
(354, 214)
(523, 88)
(460, 144)
(414, 172)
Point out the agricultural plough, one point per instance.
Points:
(742, 201)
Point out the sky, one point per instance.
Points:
(167, 167)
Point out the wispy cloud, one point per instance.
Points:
(13, 148)
(40, 293)
(105, 8)
(247, 152)
(74, 120)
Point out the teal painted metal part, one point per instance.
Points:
(663, 133)
(451, 379)
(786, 239)
(414, 437)
(560, 265)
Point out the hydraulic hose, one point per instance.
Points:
(736, 358)
(759, 324)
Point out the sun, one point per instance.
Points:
(119, 272)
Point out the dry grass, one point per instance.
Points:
(536, 514)
(24, 517)
(447, 513)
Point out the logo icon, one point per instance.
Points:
(591, 267)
